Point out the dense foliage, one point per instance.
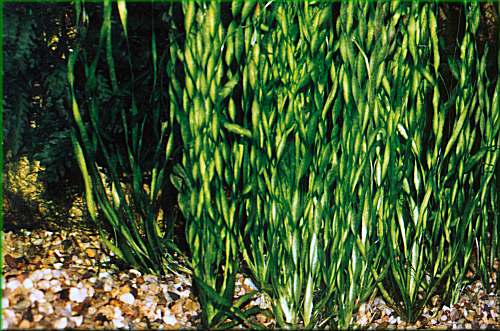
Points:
(334, 150)
(37, 39)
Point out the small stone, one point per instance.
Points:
(470, 315)
(117, 313)
(61, 323)
(118, 323)
(455, 314)
(383, 326)
(47, 274)
(248, 282)
(11, 262)
(135, 273)
(44, 284)
(184, 294)
(37, 275)
(107, 287)
(13, 284)
(55, 282)
(191, 305)
(363, 320)
(127, 298)
(28, 283)
(77, 294)
(45, 308)
(78, 320)
(387, 311)
(37, 295)
(104, 274)
(22, 305)
(91, 252)
(24, 324)
(177, 308)
(169, 319)
(151, 279)
(75, 212)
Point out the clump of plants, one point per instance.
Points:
(315, 143)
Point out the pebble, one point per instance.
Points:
(24, 324)
(13, 284)
(28, 283)
(104, 274)
(37, 275)
(77, 320)
(177, 308)
(61, 323)
(455, 314)
(184, 294)
(22, 305)
(107, 286)
(44, 284)
(127, 298)
(169, 319)
(45, 308)
(388, 311)
(77, 294)
(37, 295)
(117, 313)
(144, 288)
(248, 282)
(91, 252)
(363, 321)
(134, 272)
(118, 318)
(47, 274)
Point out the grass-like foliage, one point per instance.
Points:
(320, 147)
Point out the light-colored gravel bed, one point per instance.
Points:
(64, 279)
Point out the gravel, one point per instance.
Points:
(65, 279)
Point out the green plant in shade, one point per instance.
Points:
(303, 242)
(433, 157)
(123, 194)
(209, 175)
